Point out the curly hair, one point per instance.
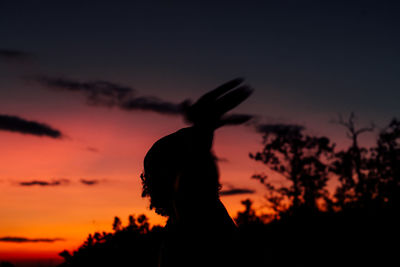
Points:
(180, 166)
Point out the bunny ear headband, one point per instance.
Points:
(206, 115)
(208, 112)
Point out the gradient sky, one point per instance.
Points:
(307, 60)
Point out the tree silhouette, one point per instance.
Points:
(362, 231)
(363, 219)
(300, 159)
(117, 224)
(385, 168)
(137, 244)
(248, 216)
(356, 186)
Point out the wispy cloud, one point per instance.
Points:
(44, 183)
(58, 182)
(90, 182)
(221, 159)
(110, 94)
(13, 239)
(20, 125)
(14, 55)
(102, 93)
(151, 103)
(236, 191)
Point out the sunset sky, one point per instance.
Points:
(307, 61)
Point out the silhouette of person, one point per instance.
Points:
(181, 178)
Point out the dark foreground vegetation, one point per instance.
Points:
(357, 225)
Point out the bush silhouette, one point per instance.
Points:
(357, 225)
(136, 244)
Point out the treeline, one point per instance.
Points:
(136, 244)
(368, 178)
(356, 225)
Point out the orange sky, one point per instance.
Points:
(101, 144)
(306, 66)
(106, 145)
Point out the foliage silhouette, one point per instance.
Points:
(136, 244)
(351, 167)
(300, 159)
(356, 226)
(384, 166)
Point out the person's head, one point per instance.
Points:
(180, 170)
(180, 167)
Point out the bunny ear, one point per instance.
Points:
(213, 95)
(232, 99)
(208, 111)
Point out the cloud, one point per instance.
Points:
(110, 94)
(236, 191)
(89, 182)
(221, 159)
(101, 93)
(151, 103)
(20, 125)
(58, 182)
(278, 128)
(13, 239)
(14, 55)
(44, 183)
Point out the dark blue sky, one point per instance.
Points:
(308, 60)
